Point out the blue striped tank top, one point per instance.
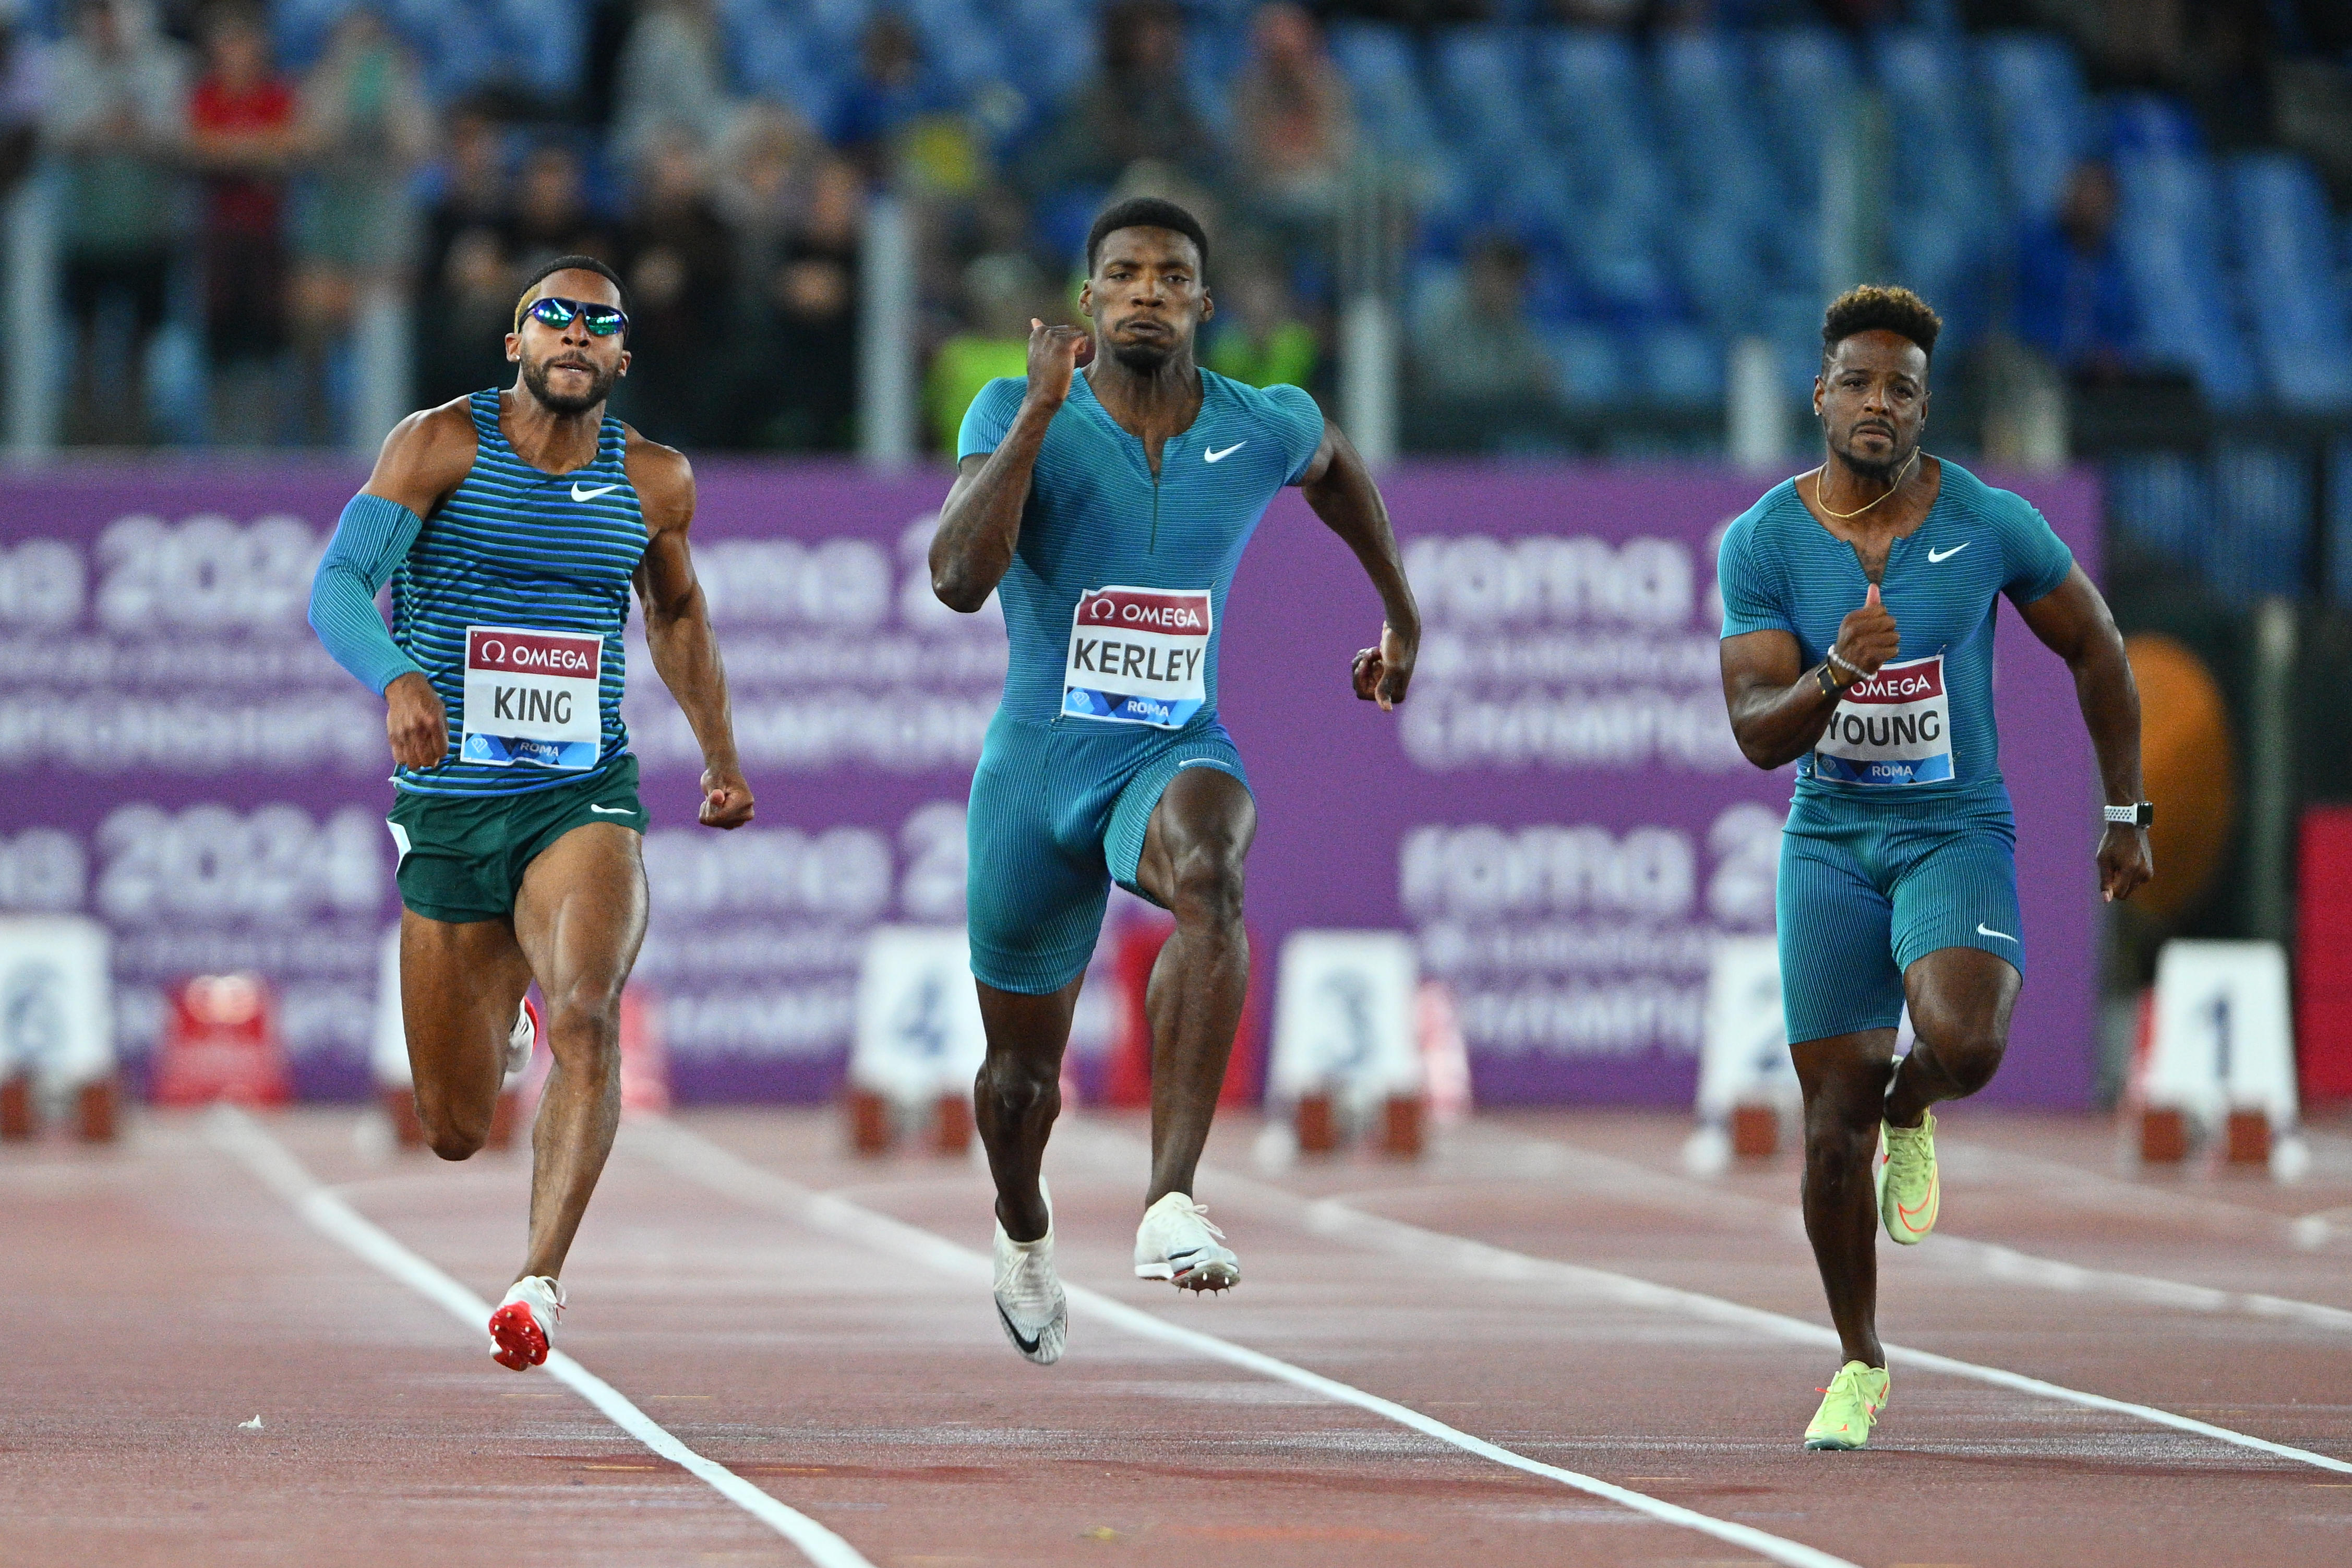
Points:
(520, 549)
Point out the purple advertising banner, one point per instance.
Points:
(1558, 816)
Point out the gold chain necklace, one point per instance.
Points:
(1817, 473)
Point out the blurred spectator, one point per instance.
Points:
(678, 258)
(673, 76)
(1475, 350)
(1256, 335)
(241, 136)
(551, 217)
(24, 90)
(764, 166)
(887, 92)
(1294, 126)
(1003, 293)
(2073, 301)
(116, 113)
(1136, 106)
(797, 390)
(366, 125)
(462, 323)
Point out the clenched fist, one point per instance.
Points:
(1866, 639)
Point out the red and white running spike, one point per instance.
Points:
(523, 1328)
(523, 1038)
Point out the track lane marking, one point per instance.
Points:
(1616, 1176)
(697, 1159)
(239, 1135)
(1334, 1220)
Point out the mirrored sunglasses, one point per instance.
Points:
(602, 320)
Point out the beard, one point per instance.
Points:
(1142, 358)
(600, 387)
(1877, 470)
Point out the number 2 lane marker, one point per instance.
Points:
(239, 1135)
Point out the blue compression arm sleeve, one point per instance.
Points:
(371, 541)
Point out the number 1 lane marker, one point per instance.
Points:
(245, 1139)
(706, 1164)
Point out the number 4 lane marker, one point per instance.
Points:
(705, 1162)
(239, 1135)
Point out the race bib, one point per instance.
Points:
(1894, 729)
(532, 697)
(1138, 655)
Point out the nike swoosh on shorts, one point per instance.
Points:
(1933, 558)
(626, 811)
(1984, 930)
(580, 494)
(1211, 455)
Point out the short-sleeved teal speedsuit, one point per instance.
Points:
(1113, 605)
(1900, 839)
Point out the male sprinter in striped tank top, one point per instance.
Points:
(511, 524)
(1107, 511)
(1858, 610)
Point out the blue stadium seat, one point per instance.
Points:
(2294, 299)
(2161, 502)
(1481, 82)
(1587, 357)
(1381, 73)
(1591, 90)
(1678, 364)
(1950, 226)
(1803, 77)
(1733, 202)
(2153, 124)
(2169, 236)
(2259, 540)
(2041, 116)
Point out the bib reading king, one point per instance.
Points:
(531, 696)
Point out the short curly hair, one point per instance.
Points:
(1879, 308)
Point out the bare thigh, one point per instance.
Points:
(460, 983)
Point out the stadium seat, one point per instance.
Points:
(2169, 236)
(2041, 116)
(2292, 298)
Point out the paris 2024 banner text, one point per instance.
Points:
(1558, 815)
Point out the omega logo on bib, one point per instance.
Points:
(532, 697)
(1137, 655)
(1894, 728)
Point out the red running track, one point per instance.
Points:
(161, 1293)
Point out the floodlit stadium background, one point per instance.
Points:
(1560, 268)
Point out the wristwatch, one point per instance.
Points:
(2138, 816)
(1828, 683)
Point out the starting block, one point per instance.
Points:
(56, 1026)
(919, 1040)
(1747, 1084)
(2216, 1059)
(1347, 1040)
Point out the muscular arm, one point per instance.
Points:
(1777, 707)
(424, 458)
(980, 525)
(2073, 621)
(677, 626)
(1339, 487)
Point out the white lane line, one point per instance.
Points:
(1631, 1181)
(239, 1135)
(698, 1160)
(1334, 1220)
